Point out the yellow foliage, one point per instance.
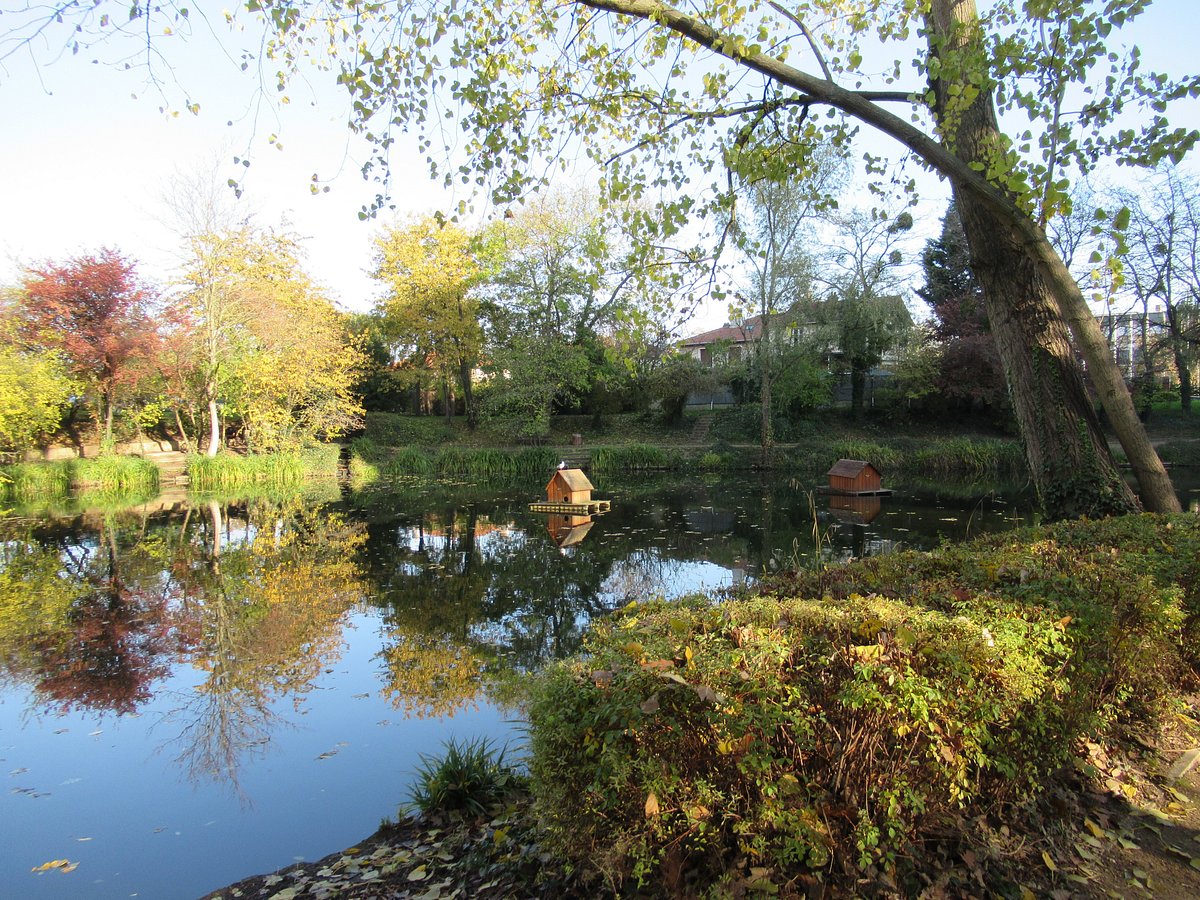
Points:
(430, 676)
(429, 269)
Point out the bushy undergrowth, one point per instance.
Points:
(227, 470)
(834, 725)
(119, 476)
(395, 430)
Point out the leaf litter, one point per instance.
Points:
(427, 857)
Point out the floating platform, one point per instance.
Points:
(572, 509)
(879, 492)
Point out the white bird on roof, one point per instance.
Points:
(562, 463)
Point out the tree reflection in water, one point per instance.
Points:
(85, 623)
(255, 596)
(269, 586)
(247, 602)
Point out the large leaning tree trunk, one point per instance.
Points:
(1030, 353)
(1066, 450)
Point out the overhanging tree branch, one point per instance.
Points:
(1156, 487)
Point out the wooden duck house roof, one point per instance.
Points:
(850, 468)
(574, 479)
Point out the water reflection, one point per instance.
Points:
(257, 638)
(253, 596)
(567, 531)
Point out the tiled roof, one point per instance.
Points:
(738, 334)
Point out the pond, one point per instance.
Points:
(203, 689)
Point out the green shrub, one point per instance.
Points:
(850, 716)
(469, 778)
(394, 430)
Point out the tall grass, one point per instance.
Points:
(968, 456)
(226, 470)
(322, 460)
(527, 462)
(115, 474)
(1180, 453)
(941, 457)
(633, 457)
(408, 461)
(119, 476)
(369, 462)
(27, 481)
(881, 456)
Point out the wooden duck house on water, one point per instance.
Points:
(570, 493)
(855, 478)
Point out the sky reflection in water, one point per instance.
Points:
(195, 694)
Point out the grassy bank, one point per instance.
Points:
(228, 470)
(844, 726)
(114, 477)
(370, 462)
(963, 457)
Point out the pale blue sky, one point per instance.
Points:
(85, 164)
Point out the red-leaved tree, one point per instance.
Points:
(97, 312)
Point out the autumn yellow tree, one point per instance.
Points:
(430, 315)
(34, 390)
(268, 346)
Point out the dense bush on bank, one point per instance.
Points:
(832, 727)
(129, 476)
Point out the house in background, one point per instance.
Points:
(812, 324)
(733, 342)
(728, 342)
(1140, 343)
(1130, 335)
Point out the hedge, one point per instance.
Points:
(830, 728)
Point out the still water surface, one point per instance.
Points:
(198, 691)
